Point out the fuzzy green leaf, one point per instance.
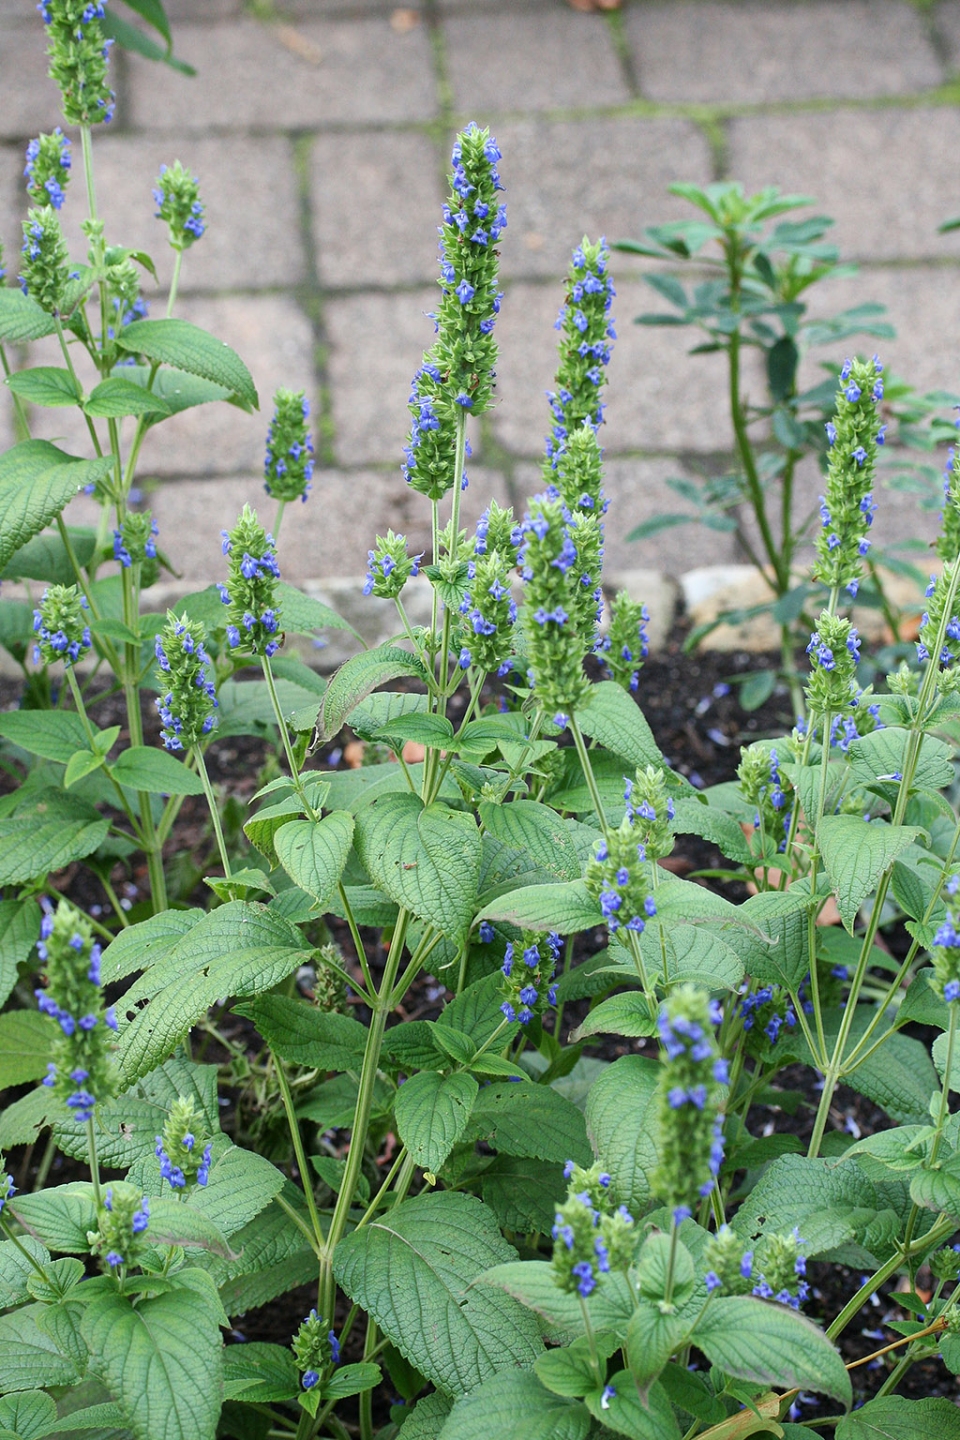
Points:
(427, 860)
(855, 855)
(36, 482)
(19, 932)
(522, 1193)
(186, 346)
(59, 1217)
(649, 1418)
(895, 1418)
(26, 1038)
(882, 752)
(615, 720)
(22, 319)
(536, 830)
(241, 1185)
(533, 1120)
(532, 1283)
(772, 1345)
(304, 1035)
(566, 907)
(52, 734)
(116, 397)
(358, 678)
(48, 385)
(313, 853)
(144, 768)
(28, 1415)
(515, 1406)
(432, 1111)
(29, 1359)
(46, 832)
(626, 1014)
(622, 1129)
(413, 1271)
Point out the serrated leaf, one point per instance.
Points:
(28, 1415)
(567, 908)
(688, 952)
(625, 1412)
(533, 1284)
(538, 832)
(116, 397)
(936, 1190)
(173, 1223)
(882, 753)
(893, 1417)
(432, 1111)
(313, 853)
(46, 832)
(81, 764)
(523, 1194)
(626, 1015)
(19, 932)
(427, 1416)
(187, 347)
(304, 1035)
(144, 768)
(413, 1271)
(692, 818)
(59, 1217)
(621, 1126)
(162, 1361)
(435, 732)
(26, 1040)
(855, 855)
(241, 949)
(36, 481)
(22, 319)
(425, 859)
(527, 1119)
(779, 953)
(241, 1185)
(52, 734)
(29, 1359)
(358, 678)
(515, 1407)
(615, 720)
(48, 385)
(772, 1345)
(16, 1269)
(259, 1372)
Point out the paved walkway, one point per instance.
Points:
(320, 130)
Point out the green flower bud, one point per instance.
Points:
(185, 1146)
(48, 169)
(781, 1268)
(729, 1264)
(528, 970)
(625, 646)
(316, 1350)
(390, 567)
(555, 647)
(288, 466)
(487, 636)
(122, 1222)
(135, 542)
(7, 1188)
(496, 531)
(60, 625)
(651, 811)
(329, 990)
(945, 954)
(188, 697)
(847, 509)
(577, 472)
(689, 1093)
(586, 332)
(177, 197)
(587, 535)
(618, 877)
(78, 58)
(253, 614)
(590, 1238)
(944, 1264)
(81, 1071)
(834, 651)
(46, 260)
(764, 786)
(947, 544)
(938, 593)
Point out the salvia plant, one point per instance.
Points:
(753, 263)
(217, 1097)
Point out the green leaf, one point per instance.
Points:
(26, 1038)
(427, 860)
(162, 1361)
(187, 347)
(258, 1373)
(882, 754)
(29, 1359)
(772, 1345)
(173, 1223)
(21, 1122)
(241, 949)
(36, 482)
(895, 1418)
(47, 831)
(615, 720)
(514, 1406)
(622, 1129)
(28, 1415)
(690, 953)
(532, 1120)
(53, 734)
(59, 1217)
(48, 385)
(937, 1189)
(432, 1111)
(303, 1035)
(116, 397)
(313, 853)
(426, 1418)
(241, 1185)
(855, 855)
(358, 678)
(649, 1418)
(413, 1271)
(779, 953)
(352, 1380)
(523, 1194)
(45, 558)
(141, 945)
(532, 1283)
(619, 1015)
(536, 830)
(81, 764)
(175, 389)
(567, 908)
(22, 319)
(144, 768)
(433, 731)
(19, 932)
(692, 818)
(653, 1336)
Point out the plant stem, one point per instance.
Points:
(284, 733)
(21, 423)
(213, 807)
(938, 1231)
(34, 1262)
(671, 1264)
(749, 465)
(298, 1150)
(175, 281)
(94, 1162)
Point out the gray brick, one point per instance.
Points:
(271, 335)
(13, 206)
(31, 101)
(185, 10)
(376, 343)
(707, 53)
(248, 77)
(947, 22)
(659, 398)
(638, 491)
(252, 239)
(521, 61)
(608, 177)
(887, 176)
(376, 202)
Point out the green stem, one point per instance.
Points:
(591, 1341)
(939, 1231)
(300, 1223)
(943, 1110)
(213, 807)
(671, 1265)
(357, 943)
(749, 465)
(175, 282)
(284, 734)
(94, 1162)
(34, 1262)
(21, 422)
(297, 1138)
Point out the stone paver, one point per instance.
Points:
(516, 61)
(658, 398)
(859, 165)
(598, 176)
(367, 73)
(31, 101)
(754, 53)
(371, 196)
(13, 206)
(252, 239)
